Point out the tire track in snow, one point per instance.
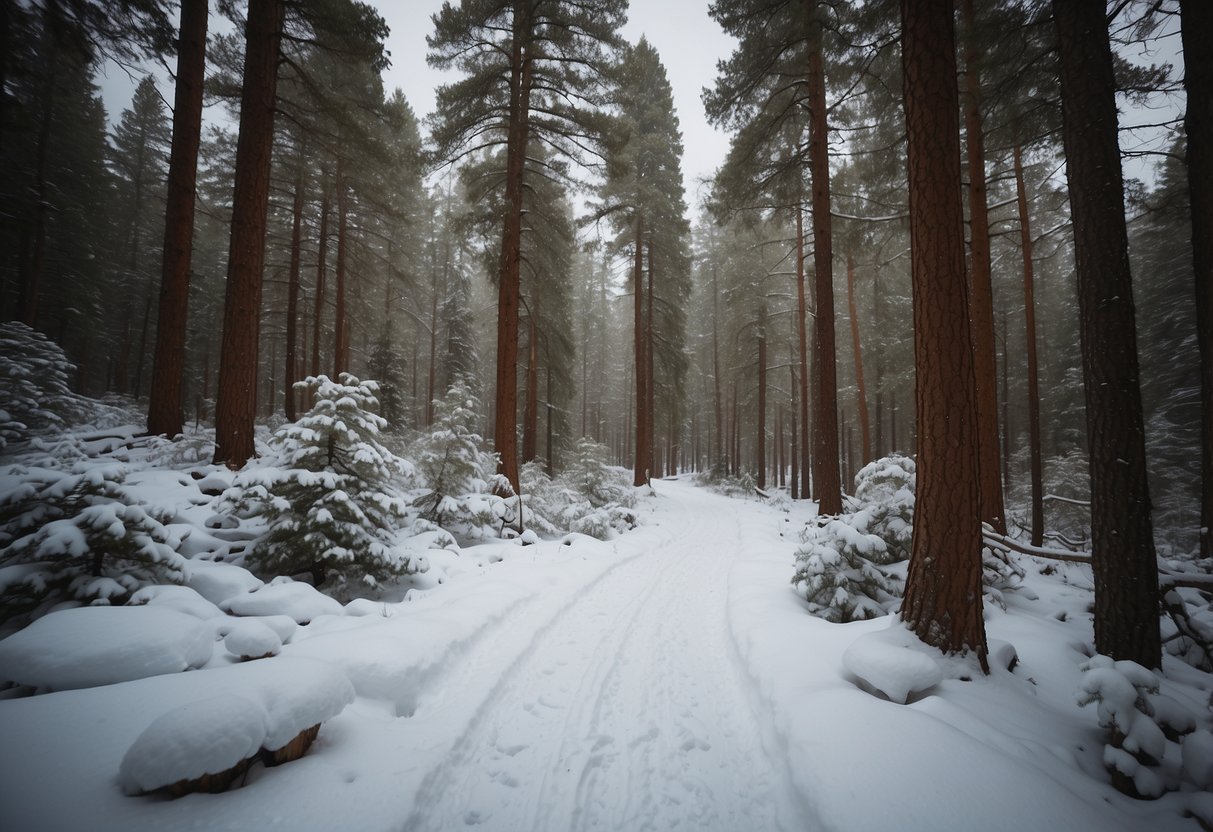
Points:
(626, 711)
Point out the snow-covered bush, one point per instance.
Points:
(838, 564)
(590, 497)
(34, 387)
(1141, 724)
(449, 458)
(79, 534)
(327, 491)
(884, 490)
(837, 574)
(730, 485)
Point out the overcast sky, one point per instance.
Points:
(689, 42)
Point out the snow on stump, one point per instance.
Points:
(302, 602)
(890, 662)
(91, 646)
(251, 640)
(206, 744)
(201, 746)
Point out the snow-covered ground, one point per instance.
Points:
(667, 679)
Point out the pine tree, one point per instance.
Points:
(532, 67)
(328, 493)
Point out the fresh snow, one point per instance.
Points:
(90, 646)
(668, 678)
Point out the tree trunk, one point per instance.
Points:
(322, 254)
(801, 327)
(1122, 536)
(943, 588)
(825, 421)
(1196, 22)
(505, 424)
(341, 335)
(794, 481)
(641, 467)
(530, 409)
(718, 401)
(981, 297)
(864, 428)
(760, 452)
(292, 296)
(165, 414)
(236, 402)
(1029, 304)
(27, 302)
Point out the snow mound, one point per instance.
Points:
(179, 598)
(200, 738)
(252, 639)
(892, 662)
(218, 582)
(301, 602)
(90, 646)
(1198, 759)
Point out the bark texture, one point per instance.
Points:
(1196, 23)
(981, 296)
(236, 402)
(943, 603)
(505, 422)
(1122, 536)
(828, 485)
(165, 412)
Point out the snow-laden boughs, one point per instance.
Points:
(328, 492)
(838, 564)
(837, 574)
(590, 497)
(77, 533)
(34, 392)
(449, 458)
(884, 490)
(1143, 727)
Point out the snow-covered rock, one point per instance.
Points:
(90, 646)
(251, 639)
(217, 582)
(300, 601)
(179, 598)
(1198, 759)
(892, 662)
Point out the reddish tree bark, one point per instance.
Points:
(981, 296)
(165, 412)
(1196, 22)
(828, 486)
(943, 588)
(1122, 535)
(236, 403)
(1029, 303)
(505, 423)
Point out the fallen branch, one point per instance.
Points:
(993, 538)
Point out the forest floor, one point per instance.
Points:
(667, 679)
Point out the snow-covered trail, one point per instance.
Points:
(627, 711)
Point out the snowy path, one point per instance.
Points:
(626, 711)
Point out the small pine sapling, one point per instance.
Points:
(34, 392)
(78, 534)
(449, 459)
(328, 492)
